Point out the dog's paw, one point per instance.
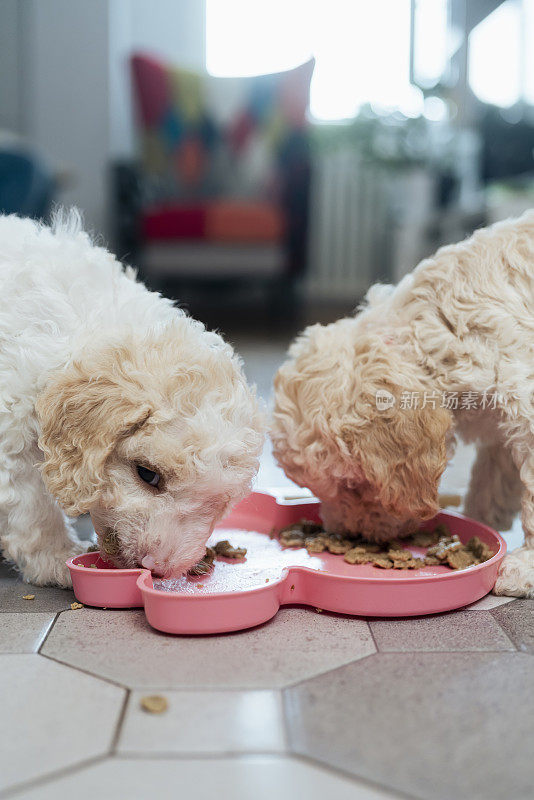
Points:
(50, 569)
(516, 575)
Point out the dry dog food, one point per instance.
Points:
(110, 543)
(225, 549)
(75, 606)
(205, 564)
(222, 548)
(154, 704)
(28, 597)
(443, 547)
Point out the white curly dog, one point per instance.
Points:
(367, 408)
(112, 402)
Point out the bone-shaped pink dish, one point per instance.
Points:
(244, 593)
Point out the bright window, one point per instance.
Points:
(501, 58)
(494, 56)
(362, 49)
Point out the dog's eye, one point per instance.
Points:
(148, 475)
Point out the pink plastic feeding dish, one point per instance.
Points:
(244, 593)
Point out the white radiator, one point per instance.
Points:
(364, 227)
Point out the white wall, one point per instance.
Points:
(65, 82)
(171, 29)
(67, 88)
(10, 89)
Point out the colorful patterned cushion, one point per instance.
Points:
(192, 147)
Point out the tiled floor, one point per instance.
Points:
(307, 705)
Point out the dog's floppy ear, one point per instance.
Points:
(402, 452)
(83, 412)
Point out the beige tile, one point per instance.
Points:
(517, 620)
(120, 645)
(205, 722)
(13, 589)
(52, 717)
(257, 777)
(433, 725)
(458, 630)
(488, 602)
(23, 633)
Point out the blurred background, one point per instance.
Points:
(265, 161)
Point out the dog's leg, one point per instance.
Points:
(516, 576)
(495, 488)
(37, 536)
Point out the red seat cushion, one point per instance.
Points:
(216, 221)
(174, 221)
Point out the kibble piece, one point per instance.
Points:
(425, 538)
(75, 606)
(205, 564)
(338, 545)
(432, 561)
(308, 527)
(110, 544)
(461, 559)
(315, 544)
(382, 562)
(409, 563)
(154, 704)
(480, 549)
(28, 597)
(225, 549)
(399, 554)
(357, 556)
(416, 563)
(291, 537)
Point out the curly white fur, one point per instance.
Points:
(99, 375)
(463, 321)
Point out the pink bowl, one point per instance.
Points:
(237, 595)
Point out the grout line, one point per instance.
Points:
(373, 637)
(285, 723)
(195, 755)
(47, 634)
(332, 669)
(120, 720)
(51, 776)
(84, 671)
(496, 621)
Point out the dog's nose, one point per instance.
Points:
(148, 563)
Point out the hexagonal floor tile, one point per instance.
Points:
(205, 722)
(489, 602)
(13, 589)
(431, 725)
(458, 630)
(23, 633)
(517, 620)
(261, 777)
(120, 645)
(52, 717)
